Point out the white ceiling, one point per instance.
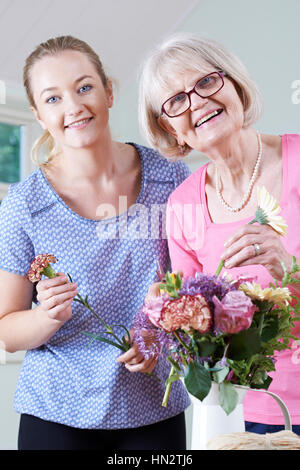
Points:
(120, 31)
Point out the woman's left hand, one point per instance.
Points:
(134, 360)
(257, 244)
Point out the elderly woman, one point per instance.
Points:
(196, 95)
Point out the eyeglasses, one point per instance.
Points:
(205, 87)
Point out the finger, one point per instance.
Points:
(129, 355)
(251, 261)
(136, 360)
(47, 294)
(59, 299)
(54, 281)
(151, 366)
(147, 365)
(240, 232)
(56, 311)
(246, 254)
(64, 288)
(153, 291)
(246, 241)
(137, 367)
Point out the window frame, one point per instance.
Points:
(30, 131)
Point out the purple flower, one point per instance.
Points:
(230, 376)
(208, 286)
(223, 362)
(150, 340)
(233, 313)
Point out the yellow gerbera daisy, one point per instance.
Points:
(267, 211)
(277, 295)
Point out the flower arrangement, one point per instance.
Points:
(41, 265)
(213, 328)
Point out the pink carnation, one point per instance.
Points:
(38, 265)
(189, 312)
(234, 313)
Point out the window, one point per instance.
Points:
(10, 168)
(18, 131)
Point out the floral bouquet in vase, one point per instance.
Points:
(215, 329)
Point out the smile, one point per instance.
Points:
(208, 117)
(79, 124)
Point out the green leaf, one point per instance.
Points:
(220, 375)
(295, 266)
(244, 344)
(174, 363)
(104, 340)
(287, 276)
(197, 380)
(265, 383)
(126, 330)
(270, 331)
(205, 347)
(228, 397)
(178, 282)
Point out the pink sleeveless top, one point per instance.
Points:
(196, 244)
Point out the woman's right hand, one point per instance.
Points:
(153, 291)
(56, 296)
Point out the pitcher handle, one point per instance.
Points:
(285, 411)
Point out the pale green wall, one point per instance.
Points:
(264, 34)
(9, 419)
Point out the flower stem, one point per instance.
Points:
(220, 267)
(49, 272)
(180, 340)
(109, 329)
(168, 388)
(249, 366)
(261, 323)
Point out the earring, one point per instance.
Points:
(181, 149)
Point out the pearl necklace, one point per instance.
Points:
(250, 186)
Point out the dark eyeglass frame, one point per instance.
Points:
(221, 74)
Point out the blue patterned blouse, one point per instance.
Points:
(113, 261)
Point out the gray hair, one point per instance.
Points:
(180, 53)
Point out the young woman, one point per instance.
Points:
(83, 206)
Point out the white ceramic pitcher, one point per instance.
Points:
(210, 420)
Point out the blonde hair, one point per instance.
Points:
(50, 48)
(180, 53)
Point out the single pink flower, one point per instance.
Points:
(234, 313)
(41, 265)
(153, 308)
(189, 312)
